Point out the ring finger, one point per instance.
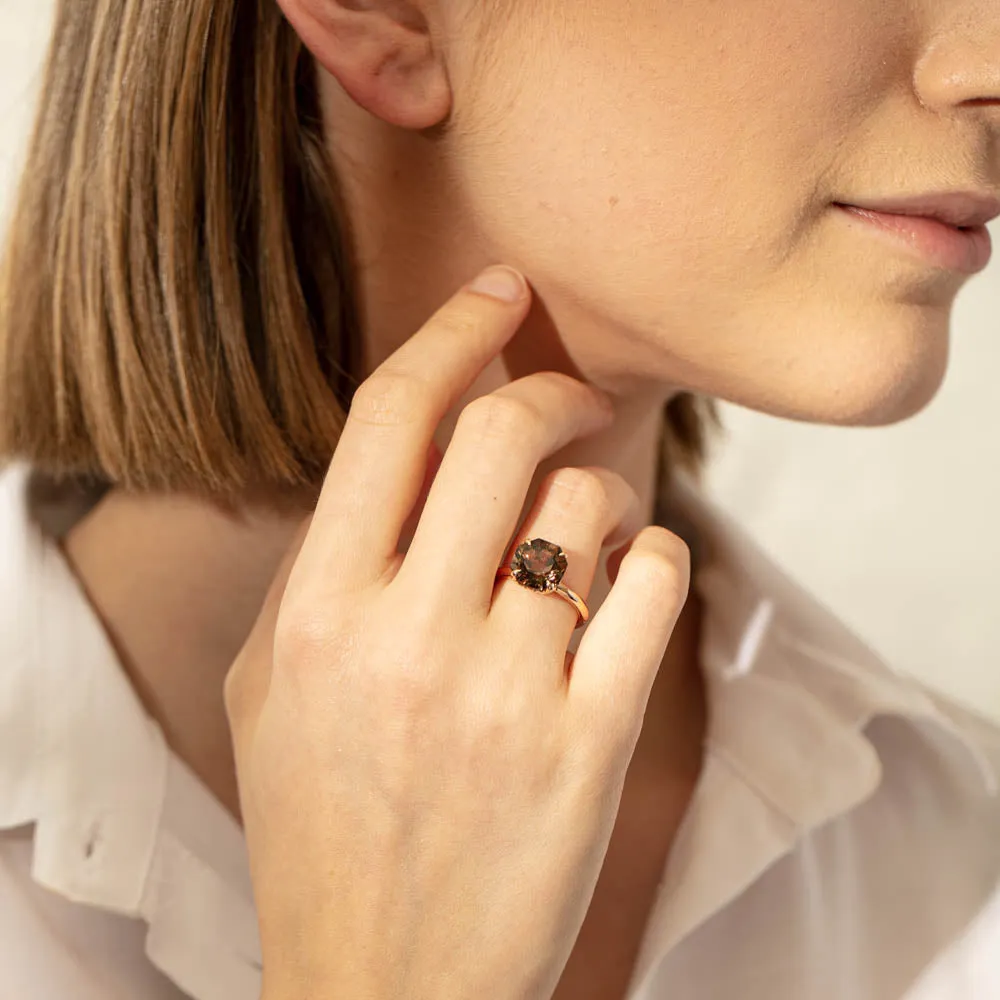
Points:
(580, 510)
(478, 495)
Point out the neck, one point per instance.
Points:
(178, 582)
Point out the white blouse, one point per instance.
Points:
(843, 842)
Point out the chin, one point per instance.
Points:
(871, 401)
(872, 375)
(906, 373)
(900, 407)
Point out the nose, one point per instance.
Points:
(959, 73)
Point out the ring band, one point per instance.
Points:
(540, 566)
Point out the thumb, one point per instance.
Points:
(250, 675)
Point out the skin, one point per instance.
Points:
(663, 173)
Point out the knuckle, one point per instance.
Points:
(665, 541)
(494, 416)
(409, 672)
(404, 659)
(460, 323)
(409, 689)
(662, 559)
(389, 398)
(300, 635)
(580, 493)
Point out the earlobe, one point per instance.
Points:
(381, 52)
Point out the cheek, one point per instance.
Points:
(626, 202)
(701, 143)
(678, 182)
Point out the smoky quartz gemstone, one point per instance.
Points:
(538, 564)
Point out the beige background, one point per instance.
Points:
(895, 528)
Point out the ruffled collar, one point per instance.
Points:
(790, 690)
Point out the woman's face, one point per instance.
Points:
(664, 172)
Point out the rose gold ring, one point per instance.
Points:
(540, 566)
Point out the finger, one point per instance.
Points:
(581, 510)
(622, 648)
(378, 467)
(478, 496)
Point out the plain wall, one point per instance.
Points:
(894, 528)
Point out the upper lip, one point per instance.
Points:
(964, 209)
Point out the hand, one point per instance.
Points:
(428, 779)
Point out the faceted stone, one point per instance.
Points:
(538, 564)
(539, 559)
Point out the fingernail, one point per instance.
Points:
(502, 283)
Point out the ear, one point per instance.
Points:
(381, 52)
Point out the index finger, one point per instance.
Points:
(375, 475)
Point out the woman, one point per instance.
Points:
(232, 216)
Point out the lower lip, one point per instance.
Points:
(965, 250)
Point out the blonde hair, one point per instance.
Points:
(178, 306)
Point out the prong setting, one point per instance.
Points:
(538, 564)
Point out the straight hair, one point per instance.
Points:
(178, 296)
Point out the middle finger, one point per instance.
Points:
(582, 510)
